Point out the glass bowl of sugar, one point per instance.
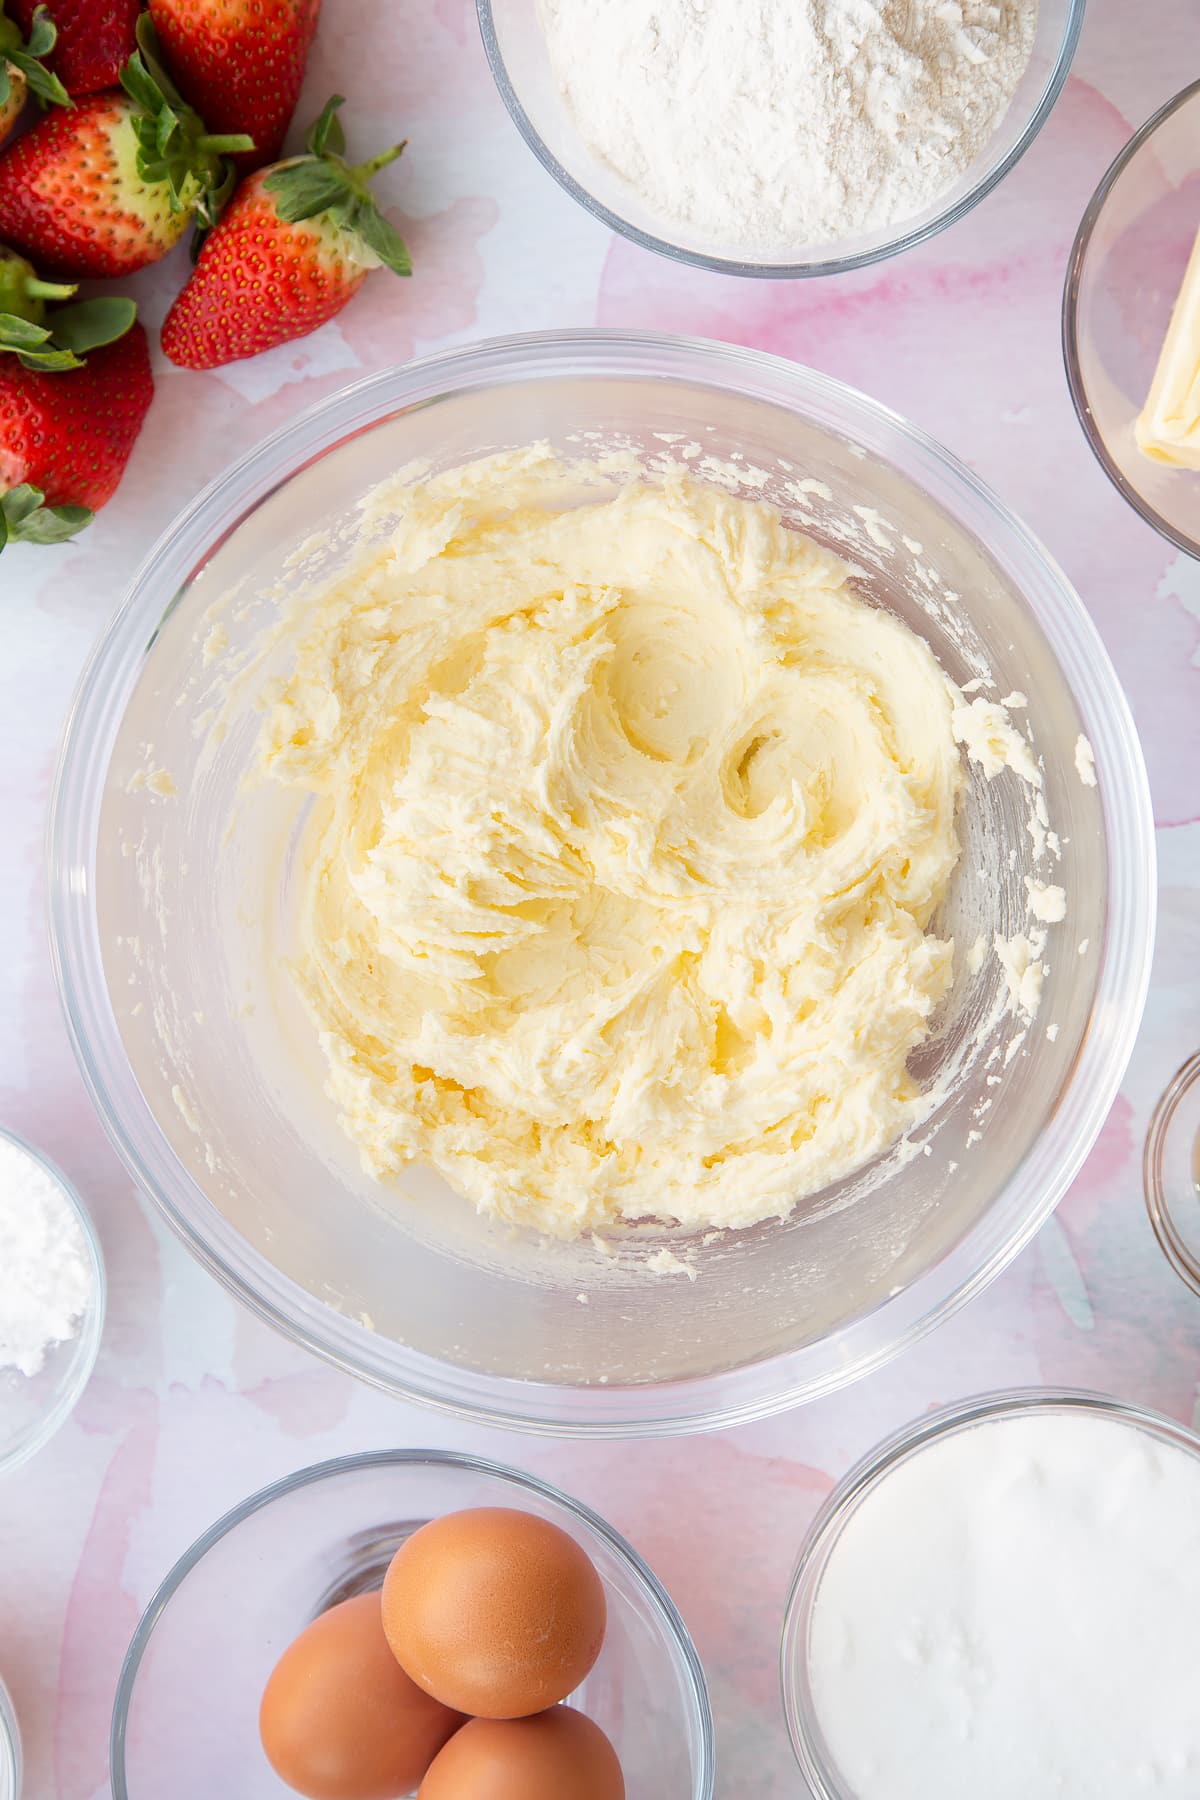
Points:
(51, 1300)
(771, 141)
(1003, 1599)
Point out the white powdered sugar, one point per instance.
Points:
(769, 125)
(46, 1274)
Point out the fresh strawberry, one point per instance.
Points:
(23, 69)
(295, 242)
(67, 425)
(95, 39)
(240, 63)
(111, 184)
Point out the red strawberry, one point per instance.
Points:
(95, 39)
(111, 184)
(240, 63)
(293, 245)
(23, 69)
(67, 426)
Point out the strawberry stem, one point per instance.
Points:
(48, 290)
(229, 145)
(364, 171)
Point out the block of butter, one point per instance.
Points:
(1168, 427)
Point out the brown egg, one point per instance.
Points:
(340, 1720)
(494, 1612)
(555, 1755)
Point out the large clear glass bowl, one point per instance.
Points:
(185, 1720)
(823, 1780)
(170, 936)
(1123, 277)
(516, 49)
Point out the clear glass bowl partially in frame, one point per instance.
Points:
(822, 1778)
(10, 1749)
(1171, 1172)
(34, 1407)
(1124, 275)
(185, 1720)
(405, 1285)
(516, 49)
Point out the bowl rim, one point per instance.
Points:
(795, 271)
(11, 1762)
(85, 1347)
(1159, 1202)
(767, 1385)
(1076, 384)
(870, 1471)
(646, 1581)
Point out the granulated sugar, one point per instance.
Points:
(1014, 1614)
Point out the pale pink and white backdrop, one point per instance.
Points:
(194, 1404)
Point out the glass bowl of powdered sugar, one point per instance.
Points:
(759, 138)
(51, 1300)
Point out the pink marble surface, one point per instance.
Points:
(194, 1404)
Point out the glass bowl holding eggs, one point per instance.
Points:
(369, 1628)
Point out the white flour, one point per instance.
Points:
(45, 1271)
(768, 125)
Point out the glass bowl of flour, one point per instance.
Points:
(779, 140)
(52, 1293)
(185, 891)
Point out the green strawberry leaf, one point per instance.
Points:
(166, 131)
(21, 334)
(72, 331)
(19, 502)
(33, 346)
(211, 202)
(5, 82)
(43, 34)
(383, 238)
(55, 524)
(327, 133)
(25, 518)
(90, 324)
(149, 57)
(49, 361)
(26, 57)
(303, 189)
(140, 85)
(324, 184)
(43, 83)
(173, 147)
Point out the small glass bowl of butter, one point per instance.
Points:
(1131, 321)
